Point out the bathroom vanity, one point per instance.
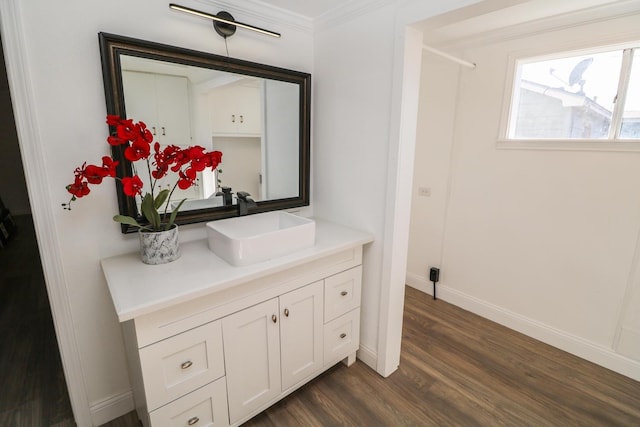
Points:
(210, 344)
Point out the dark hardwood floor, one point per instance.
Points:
(32, 387)
(458, 369)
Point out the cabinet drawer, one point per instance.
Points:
(341, 337)
(177, 365)
(342, 293)
(205, 407)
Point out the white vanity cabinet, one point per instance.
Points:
(209, 344)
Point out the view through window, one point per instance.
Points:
(590, 96)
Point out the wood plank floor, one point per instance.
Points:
(32, 387)
(458, 369)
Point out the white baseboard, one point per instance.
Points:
(368, 356)
(110, 408)
(573, 344)
(420, 283)
(629, 343)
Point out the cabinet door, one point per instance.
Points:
(249, 110)
(174, 123)
(252, 358)
(301, 333)
(140, 97)
(162, 103)
(223, 112)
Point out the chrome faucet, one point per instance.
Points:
(244, 203)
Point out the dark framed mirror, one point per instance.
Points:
(257, 115)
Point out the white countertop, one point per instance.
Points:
(137, 288)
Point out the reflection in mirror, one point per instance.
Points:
(256, 115)
(248, 119)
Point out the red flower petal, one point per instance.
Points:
(132, 185)
(139, 149)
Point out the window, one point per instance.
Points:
(593, 96)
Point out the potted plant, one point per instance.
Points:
(159, 234)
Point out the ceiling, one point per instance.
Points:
(309, 8)
(478, 18)
(492, 15)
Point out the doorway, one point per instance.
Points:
(34, 387)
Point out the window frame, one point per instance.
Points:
(511, 93)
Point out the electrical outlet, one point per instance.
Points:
(424, 191)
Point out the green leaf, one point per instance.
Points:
(123, 219)
(161, 198)
(150, 212)
(172, 218)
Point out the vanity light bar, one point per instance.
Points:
(216, 18)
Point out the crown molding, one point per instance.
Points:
(559, 22)
(347, 12)
(260, 12)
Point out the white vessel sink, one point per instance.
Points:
(250, 239)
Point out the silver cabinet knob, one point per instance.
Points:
(186, 365)
(344, 293)
(343, 335)
(274, 318)
(193, 421)
(286, 312)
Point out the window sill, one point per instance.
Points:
(569, 145)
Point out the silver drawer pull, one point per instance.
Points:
(193, 421)
(344, 293)
(186, 365)
(343, 335)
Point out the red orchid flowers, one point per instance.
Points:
(185, 162)
(91, 174)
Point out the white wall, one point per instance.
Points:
(281, 140)
(352, 95)
(540, 240)
(435, 133)
(364, 108)
(65, 82)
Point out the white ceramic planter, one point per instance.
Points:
(159, 247)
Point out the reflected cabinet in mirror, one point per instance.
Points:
(257, 115)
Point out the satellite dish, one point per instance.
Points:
(576, 74)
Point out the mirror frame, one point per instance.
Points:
(113, 46)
